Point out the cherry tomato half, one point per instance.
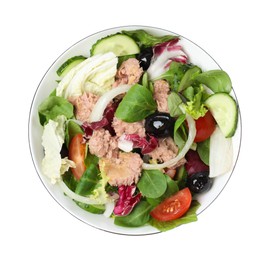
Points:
(204, 127)
(173, 207)
(77, 150)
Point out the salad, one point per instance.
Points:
(135, 131)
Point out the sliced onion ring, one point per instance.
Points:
(188, 144)
(86, 200)
(104, 100)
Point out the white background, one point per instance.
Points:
(238, 36)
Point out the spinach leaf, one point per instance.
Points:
(88, 181)
(203, 149)
(138, 217)
(180, 134)
(172, 188)
(173, 101)
(54, 106)
(137, 104)
(144, 39)
(152, 183)
(189, 77)
(70, 180)
(216, 80)
(190, 216)
(72, 128)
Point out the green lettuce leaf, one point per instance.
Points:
(195, 107)
(53, 107)
(190, 216)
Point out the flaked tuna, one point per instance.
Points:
(124, 170)
(161, 91)
(129, 73)
(120, 127)
(84, 105)
(165, 151)
(102, 144)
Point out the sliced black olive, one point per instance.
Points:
(159, 125)
(144, 57)
(199, 182)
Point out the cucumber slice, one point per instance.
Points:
(119, 44)
(69, 64)
(225, 112)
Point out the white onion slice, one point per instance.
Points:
(104, 100)
(188, 144)
(79, 198)
(220, 145)
(109, 209)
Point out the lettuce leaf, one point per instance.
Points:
(53, 107)
(53, 166)
(195, 107)
(190, 216)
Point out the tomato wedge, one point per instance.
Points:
(204, 127)
(77, 150)
(173, 207)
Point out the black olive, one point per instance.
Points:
(159, 125)
(144, 57)
(199, 182)
(64, 151)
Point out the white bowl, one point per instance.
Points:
(196, 55)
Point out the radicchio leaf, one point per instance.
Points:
(126, 201)
(105, 122)
(146, 146)
(164, 54)
(194, 164)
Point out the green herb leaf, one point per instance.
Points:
(89, 180)
(152, 183)
(145, 39)
(137, 104)
(190, 216)
(216, 80)
(54, 106)
(138, 217)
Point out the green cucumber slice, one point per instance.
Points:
(225, 112)
(119, 44)
(69, 64)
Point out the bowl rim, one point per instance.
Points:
(69, 48)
